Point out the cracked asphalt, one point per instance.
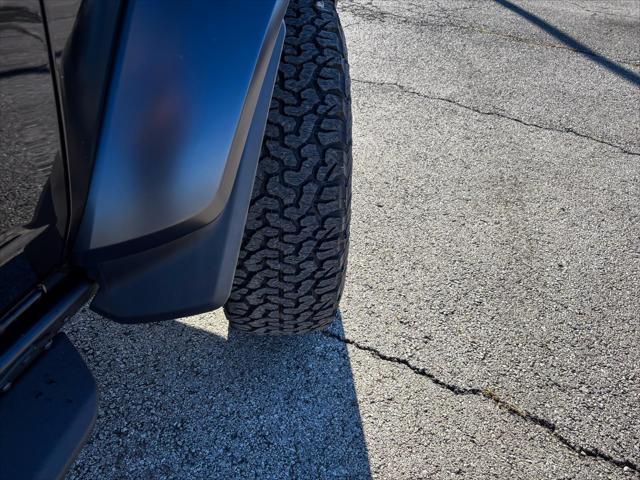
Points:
(490, 323)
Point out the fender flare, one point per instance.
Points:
(180, 138)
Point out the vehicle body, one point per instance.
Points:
(131, 133)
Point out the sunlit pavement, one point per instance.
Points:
(491, 319)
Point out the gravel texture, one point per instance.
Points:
(491, 317)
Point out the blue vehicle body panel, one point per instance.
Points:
(183, 92)
(193, 273)
(191, 83)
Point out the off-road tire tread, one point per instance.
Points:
(293, 258)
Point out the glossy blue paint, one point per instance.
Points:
(181, 135)
(184, 88)
(193, 273)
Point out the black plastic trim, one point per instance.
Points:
(26, 335)
(47, 415)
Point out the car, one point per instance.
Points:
(160, 159)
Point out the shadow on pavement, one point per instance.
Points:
(181, 402)
(572, 42)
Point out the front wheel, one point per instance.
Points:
(293, 258)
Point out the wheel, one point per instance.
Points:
(293, 258)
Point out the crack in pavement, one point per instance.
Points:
(368, 11)
(595, 12)
(488, 394)
(407, 90)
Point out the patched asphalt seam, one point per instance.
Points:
(406, 90)
(488, 394)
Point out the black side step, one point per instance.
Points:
(48, 396)
(27, 329)
(47, 415)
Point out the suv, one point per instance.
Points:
(160, 159)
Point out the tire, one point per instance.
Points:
(293, 258)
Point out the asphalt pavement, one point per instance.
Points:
(490, 324)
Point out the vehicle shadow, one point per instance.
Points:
(178, 401)
(571, 42)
